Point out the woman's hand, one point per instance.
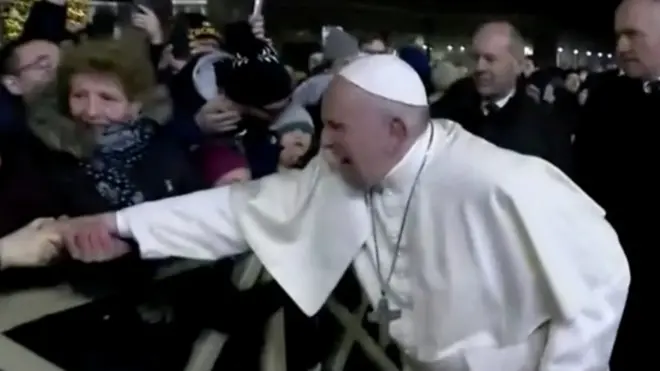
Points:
(167, 60)
(36, 244)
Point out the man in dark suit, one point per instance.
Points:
(615, 154)
(495, 105)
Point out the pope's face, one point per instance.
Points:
(357, 140)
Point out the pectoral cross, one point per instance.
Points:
(384, 316)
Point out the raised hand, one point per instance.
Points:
(93, 239)
(36, 244)
(145, 19)
(258, 26)
(218, 115)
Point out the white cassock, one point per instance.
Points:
(505, 264)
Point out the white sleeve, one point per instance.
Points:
(201, 225)
(585, 342)
(582, 265)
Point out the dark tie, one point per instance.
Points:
(490, 108)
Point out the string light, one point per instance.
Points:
(560, 50)
(77, 13)
(609, 56)
(462, 48)
(15, 15)
(600, 55)
(450, 48)
(588, 53)
(576, 52)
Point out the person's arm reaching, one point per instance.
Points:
(201, 225)
(33, 245)
(307, 222)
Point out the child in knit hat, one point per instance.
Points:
(295, 130)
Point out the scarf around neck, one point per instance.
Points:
(119, 147)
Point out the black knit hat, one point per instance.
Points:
(103, 24)
(257, 77)
(184, 85)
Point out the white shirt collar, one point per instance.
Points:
(499, 103)
(402, 175)
(503, 101)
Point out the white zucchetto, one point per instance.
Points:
(387, 76)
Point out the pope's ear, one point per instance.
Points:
(12, 85)
(399, 129)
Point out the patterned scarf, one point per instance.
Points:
(119, 147)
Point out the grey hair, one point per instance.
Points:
(414, 117)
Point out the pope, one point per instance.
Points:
(473, 257)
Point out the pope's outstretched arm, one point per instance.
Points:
(200, 225)
(285, 212)
(219, 222)
(582, 266)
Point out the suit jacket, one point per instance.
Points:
(521, 125)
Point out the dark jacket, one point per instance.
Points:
(521, 125)
(165, 170)
(12, 117)
(24, 191)
(615, 154)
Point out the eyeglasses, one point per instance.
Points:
(43, 63)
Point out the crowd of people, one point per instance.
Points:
(95, 121)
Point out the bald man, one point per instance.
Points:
(494, 104)
(471, 257)
(614, 157)
(638, 38)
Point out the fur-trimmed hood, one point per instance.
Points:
(59, 132)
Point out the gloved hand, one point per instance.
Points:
(33, 245)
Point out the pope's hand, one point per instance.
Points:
(94, 239)
(33, 245)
